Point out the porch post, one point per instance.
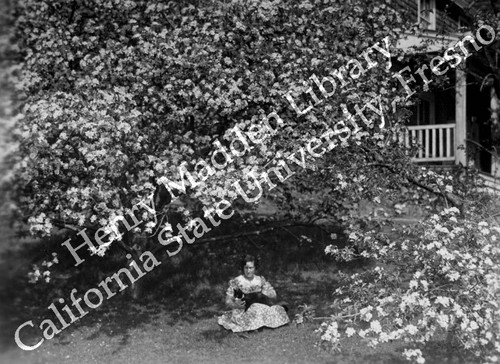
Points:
(460, 115)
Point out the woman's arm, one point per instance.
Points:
(231, 301)
(267, 289)
(234, 302)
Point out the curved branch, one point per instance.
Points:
(453, 199)
(225, 237)
(127, 249)
(493, 154)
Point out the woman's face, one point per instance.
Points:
(249, 270)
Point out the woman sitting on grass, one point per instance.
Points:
(250, 298)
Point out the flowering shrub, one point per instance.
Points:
(434, 280)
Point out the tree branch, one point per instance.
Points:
(127, 249)
(248, 233)
(493, 154)
(453, 199)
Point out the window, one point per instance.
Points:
(463, 23)
(424, 112)
(427, 14)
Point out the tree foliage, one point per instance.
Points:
(116, 94)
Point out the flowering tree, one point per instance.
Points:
(116, 95)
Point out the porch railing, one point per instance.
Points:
(435, 143)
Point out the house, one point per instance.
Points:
(454, 125)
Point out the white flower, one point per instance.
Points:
(443, 321)
(381, 312)
(464, 324)
(458, 310)
(375, 326)
(424, 284)
(473, 325)
(331, 333)
(451, 211)
(445, 253)
(453, 276)
(384, 337)
(330, 249)
(410, 353)
(445, 301)
(350, 331)
(424, 302)
(412, 330)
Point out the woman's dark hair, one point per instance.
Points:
(248, 258)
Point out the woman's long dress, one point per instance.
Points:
(258, 315)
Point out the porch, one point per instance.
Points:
(450, 126)
(436, 144)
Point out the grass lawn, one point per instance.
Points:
(138, 334)
(141, 334)
(177, 323)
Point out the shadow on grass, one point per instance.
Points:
(216, 335)
(183, 289)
